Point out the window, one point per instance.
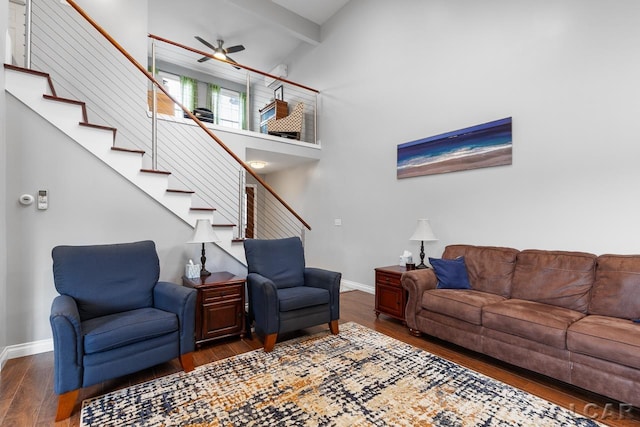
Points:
(228, 107)
(172, 83)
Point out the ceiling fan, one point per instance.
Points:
(219, 51)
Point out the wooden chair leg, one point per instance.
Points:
(333, 326)
(66, 402)
(270, 342)
(186, 360)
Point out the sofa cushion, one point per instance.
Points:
(451, 273)
(616, 291)
(607, 338)
(490, 268)
(121, 329)
(301, 297)
(563, 279)
(460, 304)
(546, 324)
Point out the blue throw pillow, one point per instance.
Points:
(451, 273)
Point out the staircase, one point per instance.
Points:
(35, 89)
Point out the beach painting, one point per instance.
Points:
(479, 146)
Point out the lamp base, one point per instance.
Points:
(203, 260)
(422, 264)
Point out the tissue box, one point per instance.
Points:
(192, 271)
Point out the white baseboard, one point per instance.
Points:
(26, 349)
(348, 285)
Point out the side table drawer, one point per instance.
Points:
(218, 294)
(383, 278)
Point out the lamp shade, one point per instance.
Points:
(203, 233)
(423, 231)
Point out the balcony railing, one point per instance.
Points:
(261, 88)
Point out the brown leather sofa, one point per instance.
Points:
(567, 315)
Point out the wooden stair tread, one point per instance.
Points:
(67, 100)
(91, 125)
(127, 150)
(173, 190)
(34, 72)
(155, 171)
(238, 240)
(204, 209)
(223, 225)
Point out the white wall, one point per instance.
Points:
(3, 175)
(566, 71)
(124, 20)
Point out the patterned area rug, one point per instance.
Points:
(357, 378)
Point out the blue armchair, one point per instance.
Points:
(284, 295)
(113, 317)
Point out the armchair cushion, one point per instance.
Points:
(281, 260)
(106, 279)
(121, 329)
(301, 297)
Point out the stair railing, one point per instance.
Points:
(273, 203)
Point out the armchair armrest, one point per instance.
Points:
(181, 301)
(329, 280)
(416, 282)
(67, 343)
(263, 302)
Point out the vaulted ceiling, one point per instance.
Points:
(270, 30)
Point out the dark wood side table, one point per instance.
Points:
(219, 306)
(391, 299)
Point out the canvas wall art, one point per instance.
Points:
(480, 146)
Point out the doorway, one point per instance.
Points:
(250, 192)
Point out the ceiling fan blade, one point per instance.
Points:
(204, 42)
(204, 58)
(234, 49)
(234, 62)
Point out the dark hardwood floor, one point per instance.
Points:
(27, 397)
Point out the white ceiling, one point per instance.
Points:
(318, 11)
(269, 30)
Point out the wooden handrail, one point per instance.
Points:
(149, 76)
(235, 64)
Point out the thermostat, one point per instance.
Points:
(43, 199)
(26, 199)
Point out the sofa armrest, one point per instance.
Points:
(67, 344)
(329, 280)
(263, 303)
(415, 282)
(181, 301)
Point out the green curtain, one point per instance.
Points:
(213, 100)
(189, 88)
(243, 110)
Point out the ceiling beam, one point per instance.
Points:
(300, 27)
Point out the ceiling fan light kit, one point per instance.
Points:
(219, 52)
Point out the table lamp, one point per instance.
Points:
(423, 233)
(203, 233)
